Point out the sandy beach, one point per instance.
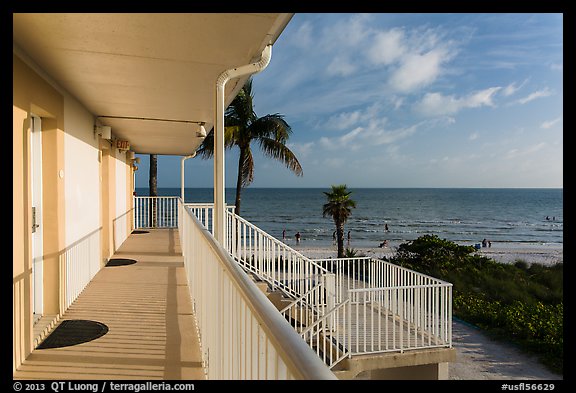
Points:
(545, 254)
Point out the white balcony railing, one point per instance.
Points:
(242, 335)
(340, 307)
(155, 212)
(381, 292)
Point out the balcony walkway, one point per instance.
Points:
(146, 306)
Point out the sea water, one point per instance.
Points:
(507, 217)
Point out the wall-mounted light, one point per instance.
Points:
(104, 131)
(201, 133)
(130, 155)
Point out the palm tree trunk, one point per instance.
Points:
(239, 182)
(340, 237)
(153, 185)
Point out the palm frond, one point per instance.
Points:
(246, 168)
(277, 150)
(206, 149)
(271, 126)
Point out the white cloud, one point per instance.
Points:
(557, 67)
(344, 120)
(512, 88)
(473, 136)
(340, 67)
(515, 153)
(301, 150)
(435, 104)
(550, 123)
(303, 36)
(537, 94)
(418, 70)
(348, 33)
(388, 47)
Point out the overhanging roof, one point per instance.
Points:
(129, 68)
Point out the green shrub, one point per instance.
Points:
(518, 302)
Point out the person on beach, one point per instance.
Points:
(484, 243)
(284, 234)
(333, 237)
(297, 237)
(348, 237)
(386, 227)
(384, 244)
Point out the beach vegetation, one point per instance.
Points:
(339, 207)
(242, 127)
(353, 253)
(521, 303)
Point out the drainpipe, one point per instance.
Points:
(182, 173)
(219, 222)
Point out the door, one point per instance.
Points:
(36, 188)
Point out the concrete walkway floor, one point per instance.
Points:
(146, 306)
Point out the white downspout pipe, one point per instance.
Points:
(219, 176)
(182, 173)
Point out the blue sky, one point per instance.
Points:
(408, 100)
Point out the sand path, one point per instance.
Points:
(481, 358)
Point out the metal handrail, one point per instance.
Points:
(298, 358)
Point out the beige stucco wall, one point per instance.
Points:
(76, 176)
(32, 94)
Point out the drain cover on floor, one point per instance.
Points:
(73, 332)
(120, 262)
(139, 232)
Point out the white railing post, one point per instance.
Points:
(330, 288)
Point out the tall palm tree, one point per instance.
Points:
(153, 187)
(339, 207)
(242, 127)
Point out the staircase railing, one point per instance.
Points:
(273, 261)
(344, 307)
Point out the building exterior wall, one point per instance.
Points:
(82, 185)
(73, 184)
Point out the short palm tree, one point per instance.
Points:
(242, 127)
(339, 207)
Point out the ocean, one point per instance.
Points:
(509, 217)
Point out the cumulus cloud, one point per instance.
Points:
(349, 33)
(388, 47)
(413, 58)
(418, 70)
(436, 104)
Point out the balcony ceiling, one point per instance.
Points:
(147, 66)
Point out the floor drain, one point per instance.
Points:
(139, 232)
(120, 262)
(73, 332)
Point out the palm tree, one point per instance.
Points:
(339, 207)
(242, 127)
(153, 186)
